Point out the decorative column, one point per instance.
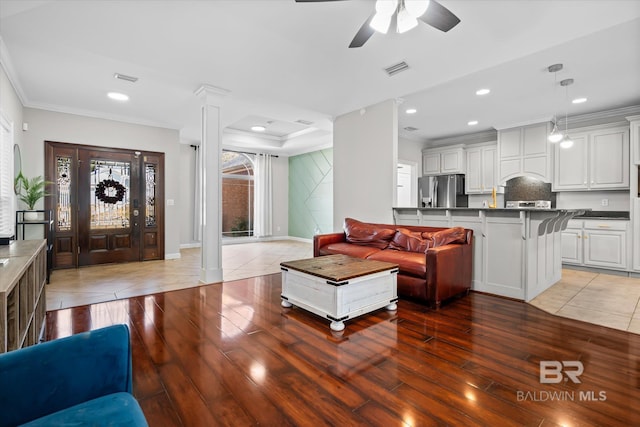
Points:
(211, 182)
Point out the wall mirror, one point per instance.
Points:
(17, 167)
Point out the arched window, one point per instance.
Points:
(237, 194)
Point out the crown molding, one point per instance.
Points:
(616, 114)
(502, 126)
(10, 71)
(467, 139)
(102, 116)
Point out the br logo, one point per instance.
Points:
(553, 371)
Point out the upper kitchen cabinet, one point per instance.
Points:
(482, 168)
(439, 161)
(524, 151)
(634, 127)
(598, 160)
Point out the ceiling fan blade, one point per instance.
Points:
(440, 17)
(363, 34)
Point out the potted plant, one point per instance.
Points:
(30, 191)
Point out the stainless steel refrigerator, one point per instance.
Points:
(442, 191)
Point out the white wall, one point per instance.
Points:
(365, 152)
(280, 169)
(618, 200)
(11, 109)
(61, 127)
(412, 151)
(187, 194)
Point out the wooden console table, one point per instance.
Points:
(22, 293)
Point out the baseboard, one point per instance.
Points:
(172, 256)
(190, 245)
(598, 270)
(238, 240)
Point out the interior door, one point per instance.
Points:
(109, 206)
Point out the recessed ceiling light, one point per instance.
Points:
(482, 91)
(472, 123)
(258, 128)
(579, 100)
(411, 111)
(118, 96)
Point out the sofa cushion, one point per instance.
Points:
(445, 237)
(412, 241)
(362, 233)
(350, 249)
(412, 263)
(117, 409)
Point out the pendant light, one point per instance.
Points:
(555, 136)
(567, 142)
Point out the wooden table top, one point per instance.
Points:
(338, 268)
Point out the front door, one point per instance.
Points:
(108, 207)
(107, 204)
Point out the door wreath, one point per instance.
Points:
(110, 186)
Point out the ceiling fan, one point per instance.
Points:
(406, 13)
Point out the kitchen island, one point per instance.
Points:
(517, 253)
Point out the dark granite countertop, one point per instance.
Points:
(496, 209)
(624, 215)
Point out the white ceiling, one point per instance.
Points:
(285, 61)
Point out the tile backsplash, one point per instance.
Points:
(526, 188)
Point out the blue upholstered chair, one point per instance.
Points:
(84, 379)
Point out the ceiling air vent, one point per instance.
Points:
(395, 69)
(125, 77)
(304, 122)
(410, 129)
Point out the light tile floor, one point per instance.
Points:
(602, 299)
(89, 285)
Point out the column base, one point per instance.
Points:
(211, 276)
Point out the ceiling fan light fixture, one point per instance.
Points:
(380, 23)
(416, 8)
(406, 21)
(258, 128)
(386, 7)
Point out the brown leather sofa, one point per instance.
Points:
(434, 262)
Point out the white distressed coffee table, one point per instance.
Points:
(339, 287)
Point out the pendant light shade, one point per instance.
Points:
(567, 142)
(555, 136)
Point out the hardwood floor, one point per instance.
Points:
(229, 354)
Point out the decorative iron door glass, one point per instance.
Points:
(110, 193)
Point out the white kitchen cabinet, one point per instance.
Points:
(634, 128)
(524, 151)
(443, 161)
(636, 233)
(595, 243)
(598, 160)
(481, 176)
(504, 254)
(572, 243)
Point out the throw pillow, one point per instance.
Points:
(362, 233)
(444, 237)
(411, 241)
